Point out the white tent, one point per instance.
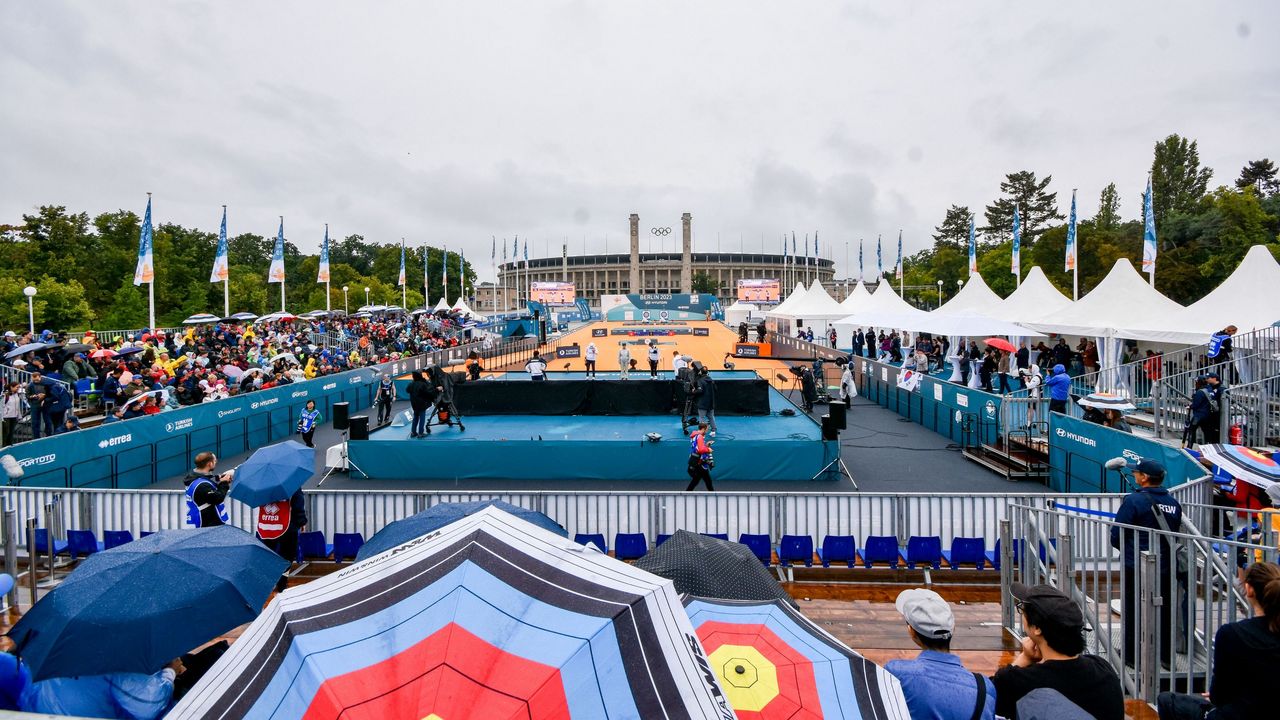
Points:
(1034, 299)
(974, 298)
(1123, 305)
(795, 296)
(462, 307)
(1249, 298)
(740, 312)
(882, 309)
(817, 304)
(857, 298)
(442, 305)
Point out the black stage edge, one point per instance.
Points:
(638, 396)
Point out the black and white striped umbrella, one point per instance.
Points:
(487, 617)
(1106, 401)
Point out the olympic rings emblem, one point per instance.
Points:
(660, 231)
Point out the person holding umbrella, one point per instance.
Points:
(271, 480)
(206, 493)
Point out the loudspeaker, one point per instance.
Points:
(836, 409)
(829, 430)
(359, 427)
(341, 411)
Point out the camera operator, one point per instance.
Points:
(808, 388)
(704, 390)
(207, 493)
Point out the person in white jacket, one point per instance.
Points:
(590, 357)
(624, 359)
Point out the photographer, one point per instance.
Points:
(705, 391)
(207, 493)
(808, 388)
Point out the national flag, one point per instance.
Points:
(276, 271)
(973, 249)
(1149, 247)
(879, 260)
(897, 272)
(1071, 235)
(402, 280)
(323, 275)
(219, 272)
(1016, 267)
(144, 271)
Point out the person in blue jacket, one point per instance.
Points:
(129, 696)
(1059, 386)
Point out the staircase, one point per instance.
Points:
(1020, 455)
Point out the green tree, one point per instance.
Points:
(1178, 182)
(128, 309)
(995, 264)
(704, 283)
(1036, 208)
(954, 230)
(1261, 176)
(1108, 216)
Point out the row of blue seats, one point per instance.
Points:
(795, 550)
(792, 550)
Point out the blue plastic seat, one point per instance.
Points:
(993, 556)
(880, 549)
(311, 546)
(42, 543)
(760, 547)
(596, 539)
(924, 550)
(82, 543)
(718, 536)
(795, 549)
(146, 533)
(116, 538)
(346, 545)
(965, 551)
(662, 537)
(630, 546)
(838, 549)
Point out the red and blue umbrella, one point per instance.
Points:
(1252, 466)
(775, 664)
(488, 617)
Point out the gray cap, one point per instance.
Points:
(927, 613)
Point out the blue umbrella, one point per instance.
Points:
(274, 473)
(135, 607)
(437, 516)
(128, 351)
(24, 349)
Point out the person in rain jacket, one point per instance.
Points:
(1059, 386)
(129, 696)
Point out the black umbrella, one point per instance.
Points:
(77, 348)
(710, 567)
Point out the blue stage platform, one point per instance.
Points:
(533, 448)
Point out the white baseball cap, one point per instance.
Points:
(927, 613)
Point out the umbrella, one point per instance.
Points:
(128, 351)
(488, 617)
(141, 396)
(1106, 401)
(774, 662)
(24, 349)
(273, 317)
(711, 567)
(285, 356)
(242, 316)
(102, 353)
(273, 473)
(1252, 466)
(232, 371)
(201, 319)
(437, 516)
(1000, 344)
(77, 348)
(362, 315)
(135, 607)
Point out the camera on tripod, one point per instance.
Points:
(797, 370)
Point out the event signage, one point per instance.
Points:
(599, 332)
(1079, 450)
(571, 351)
(746, 350)
(701, 331)
(555, 294)
(757, 290)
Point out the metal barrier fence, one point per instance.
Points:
(1152, 599)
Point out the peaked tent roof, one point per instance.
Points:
(975, 297)
(857, 298)
(1123, 305)
(816, 304)
(1034, 299)
(442, 305)
(883, 307)
(795, 296)
(1241, 299)
(462, 307)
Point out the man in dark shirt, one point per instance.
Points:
(1052, 656)
(1140, 508)
(206, 493)
(37, 393)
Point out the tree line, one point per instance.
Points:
(82, 269)
(1202, 234)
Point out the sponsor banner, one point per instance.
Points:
(599, 332)
(1079, 450)
(746, 350)
(571, 351)
(701, 332)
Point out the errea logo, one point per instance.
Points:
(299, 393)
(117, 440)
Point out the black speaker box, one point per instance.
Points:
(829, 430)
(359, 427)
(837, 409)
(341, 411)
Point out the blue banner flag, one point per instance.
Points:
(276, 271)
(815, 245)
(1071, 235)
(219, 272)
(444, 271)
(898, 267)
(973, 249)
(493, 254)
(462, 273)
(145, 270)
(526, 253)
(323, 275)
(793, 242)
(1149, 247)
(879, 260)
(515, 249)
(504, 252)
(401, 278)
(859, 259)
(1016, 264)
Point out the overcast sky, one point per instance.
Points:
(455, 122)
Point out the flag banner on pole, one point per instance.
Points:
(859, 260)
(1016, 264)
(276, 272)
(1071, 235)
(1148, 232)
(515, 248)
(219, 272)
(898, 268)
(806, 249)
(793, 243)
(402, 280)
(973, 249)
(444, 267)
(504, 252)
(462, 273)
(493, 254)
(323, 275)
(144, 271)
(526, 253)
(879, 260)
(816, 254)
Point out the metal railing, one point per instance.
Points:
(106, 337)
(1153, 600)
(8, 374)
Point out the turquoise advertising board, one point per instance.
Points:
(967, 416)
(1079, 450)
